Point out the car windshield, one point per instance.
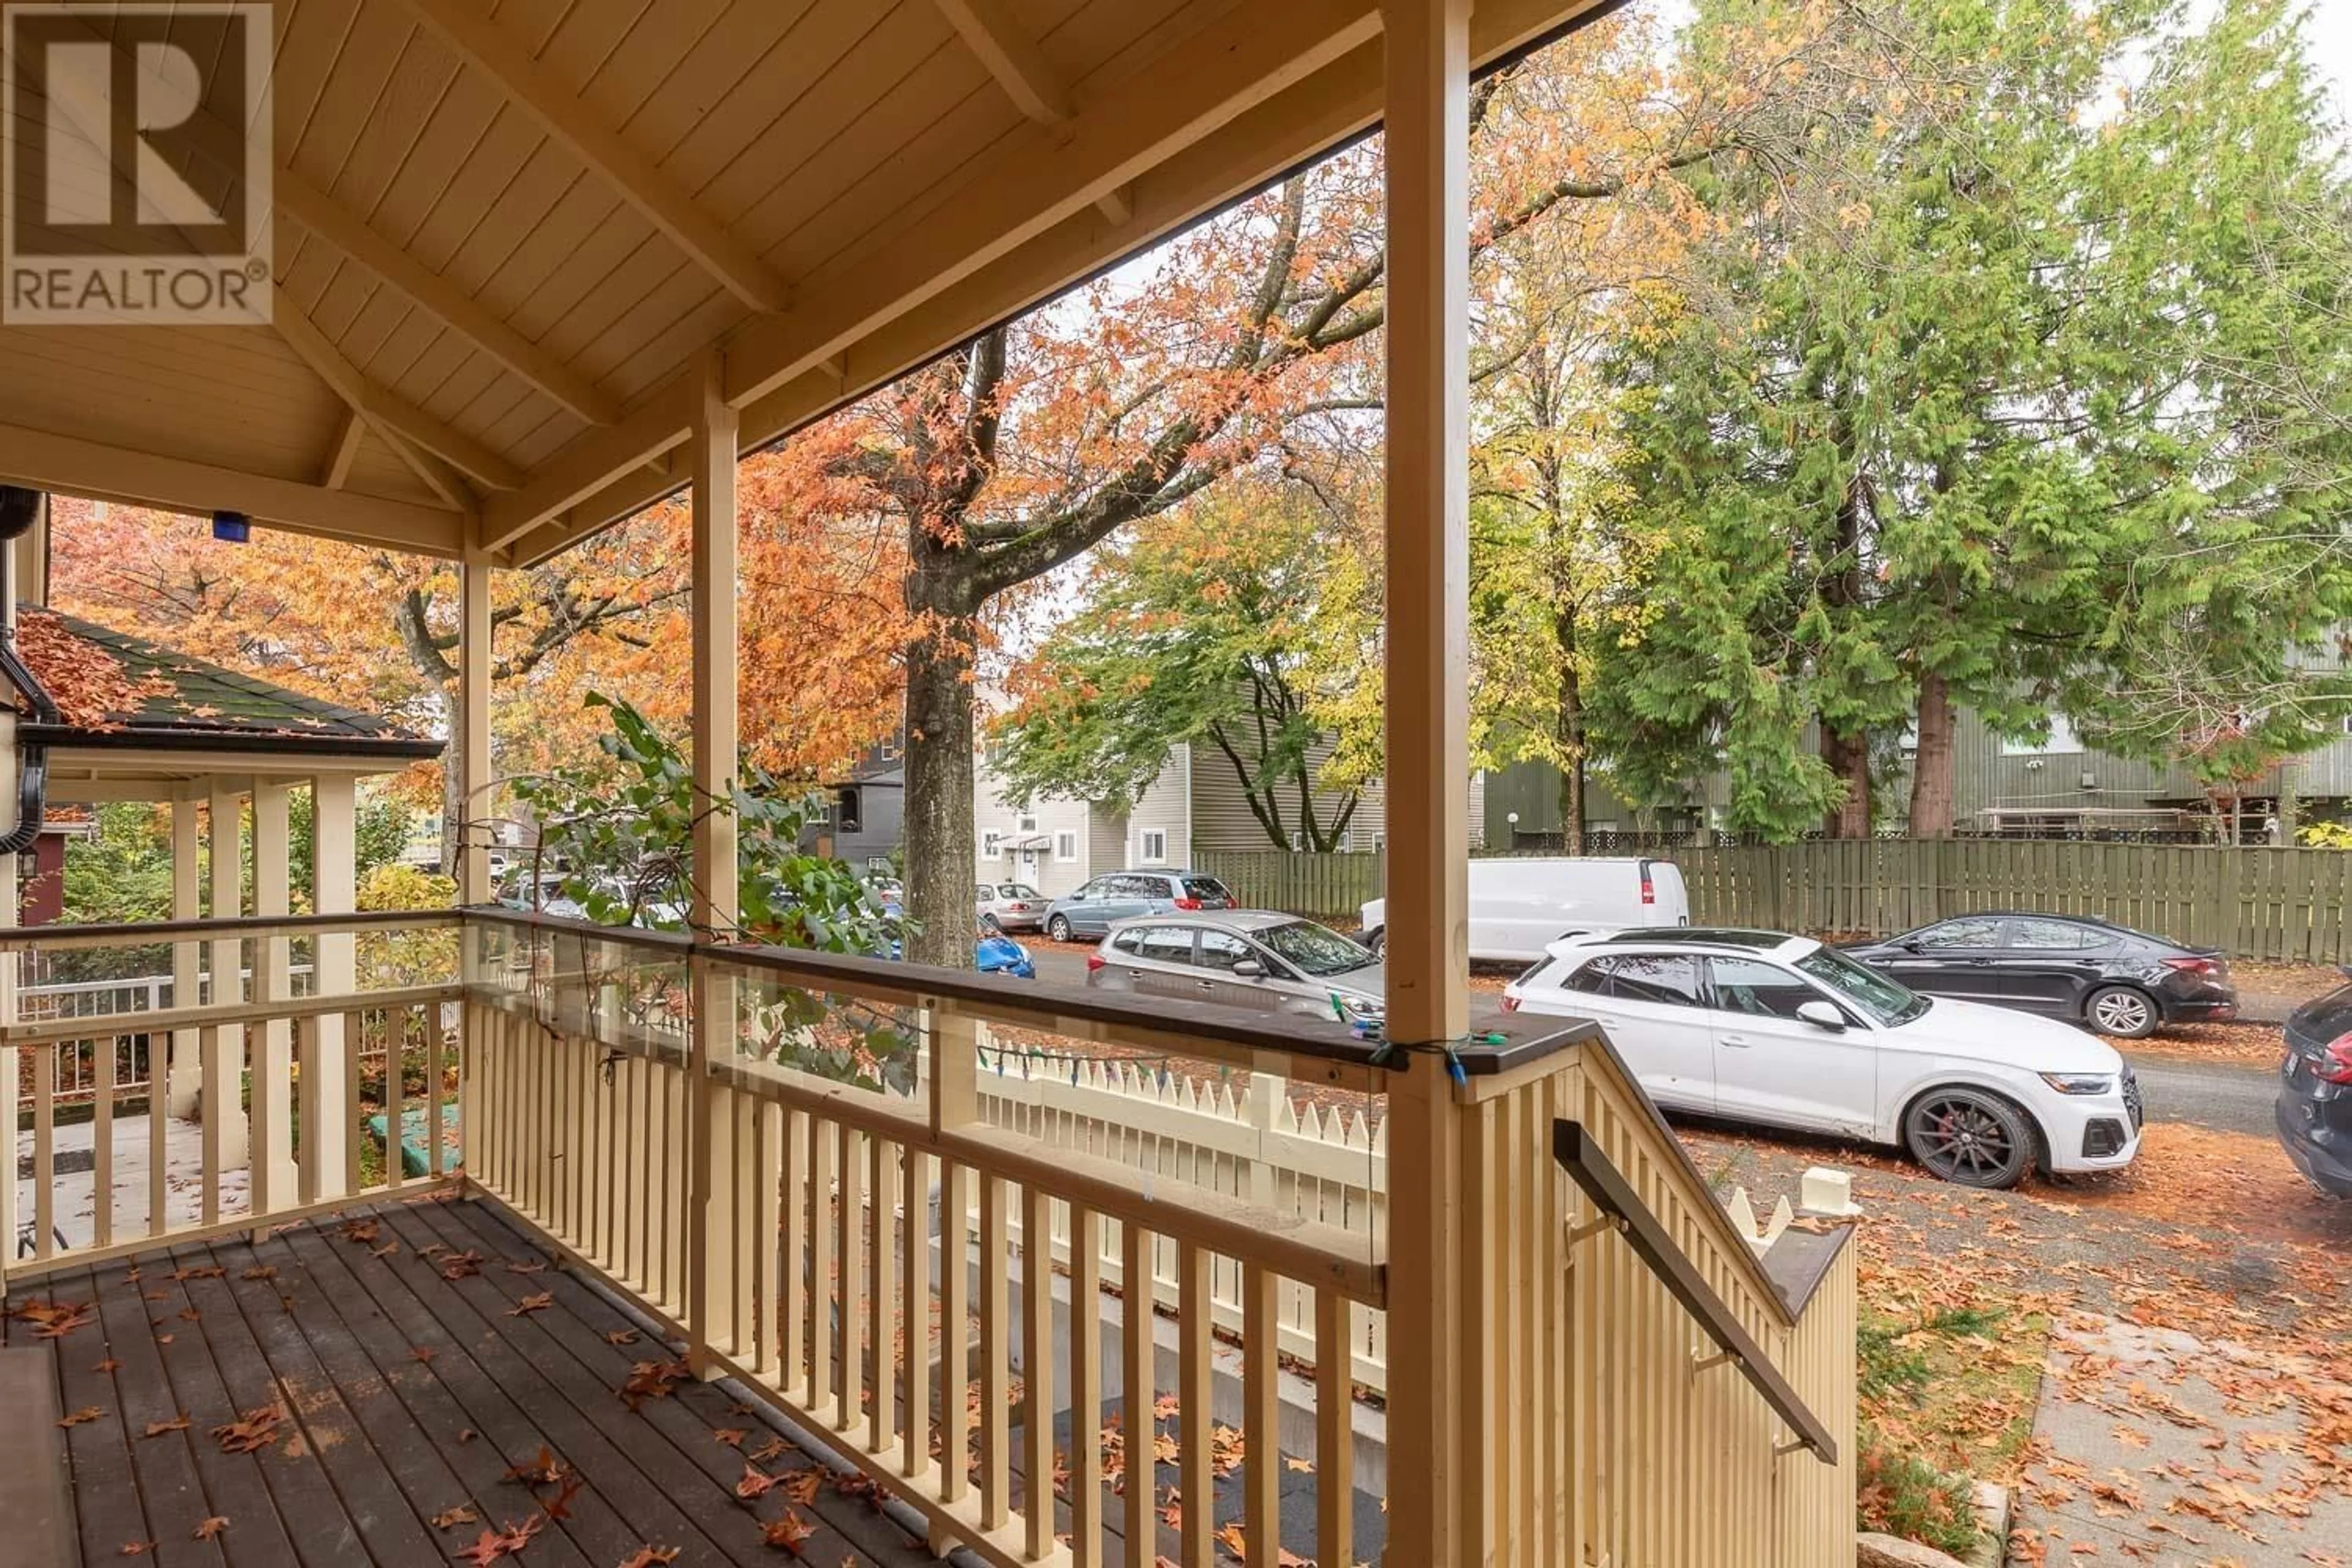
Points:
(1312, 949)
(1890, 1002)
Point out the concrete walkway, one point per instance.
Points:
(2155, 1447)
(76, 1184)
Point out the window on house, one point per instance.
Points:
(2062, 739)
(1347, 840)
(1379, 843)
(1028, 825)
(1065, 846)
(1154, 847)
(1297, 842)
(991, 845)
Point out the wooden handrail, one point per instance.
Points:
(1580, 1156)
(165, 1020)
(59, 938)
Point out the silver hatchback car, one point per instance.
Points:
(1244, 958)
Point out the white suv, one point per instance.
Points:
(1757, 1027)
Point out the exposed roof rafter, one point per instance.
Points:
(490, 49)
(338, 467)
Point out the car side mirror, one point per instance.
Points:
(1915, 947)
(1250, 969)
(1822, 1015)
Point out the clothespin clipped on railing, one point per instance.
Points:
(1743, 1217)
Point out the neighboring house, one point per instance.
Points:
(1196, 806)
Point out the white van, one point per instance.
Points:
(1520, 906)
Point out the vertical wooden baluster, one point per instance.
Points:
(1197, 1535)
(612, 1187)
(351, 1105)
(884, 1354)
(101, 1141)
(1037, 1364)
(792, 1332)
(1261, 1416)
(213, 1098)
(753, 1247)
(436, 1166)
(995, 1354)
(636, 1209)
(159, 1131)
(767, 1223)
(1335, 1428)
(661, 1158)
(44, 1152)
(849, 1306)
(915, 1314)
(395, 1095)
(1138, 1397)
(306, 1174)
(821, 1147)
(673, 1245)
(955, 1330)
(1086, 1388)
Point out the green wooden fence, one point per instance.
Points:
(2253, 902)
(1323, 887)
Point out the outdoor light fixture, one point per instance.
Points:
(232, 527)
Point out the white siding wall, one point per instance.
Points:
(1046, 870)
(1165, 808)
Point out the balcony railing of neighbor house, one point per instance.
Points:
(838, 1204)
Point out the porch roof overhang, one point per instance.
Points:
(505, 248)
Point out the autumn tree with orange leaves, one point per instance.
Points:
(1011, 457)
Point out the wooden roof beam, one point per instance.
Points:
(1309, 110)
(466, 26)
(338, 467)
(438, 297)
(71, 466)
(395, 420)
(1024, 73)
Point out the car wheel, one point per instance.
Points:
(1378, 942)
(1969, 1136)
(2121, 1011)
(1058, 929)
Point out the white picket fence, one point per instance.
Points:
(1257, 1146)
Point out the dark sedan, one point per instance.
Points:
(2315, 1102)
(2118, 981)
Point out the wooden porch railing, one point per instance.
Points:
(853, 1237)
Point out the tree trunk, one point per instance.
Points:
(1849, 759)
(940, 852)
(1931, 767)
(1570, 738)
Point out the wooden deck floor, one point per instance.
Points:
(402, 1396)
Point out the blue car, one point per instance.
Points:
(996, 953)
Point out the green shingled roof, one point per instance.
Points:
(185, 701)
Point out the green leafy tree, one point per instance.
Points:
(1245, 625)
(623, 828)
(1939, 423)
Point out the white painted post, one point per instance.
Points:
(710, 1231)
(187, 957)
(1428, 85)
(224, 1060)
(334, 960)
(274, 1176)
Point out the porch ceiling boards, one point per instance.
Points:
(404, 1394)
(506, 235)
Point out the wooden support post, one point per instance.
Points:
(473, 730)
(187, 957)
(1427, 114)
(223, 1047)
(274, 1175)
(712, 1192)
(334, 971)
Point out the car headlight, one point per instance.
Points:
(1362, 1007)
(2080, 1082)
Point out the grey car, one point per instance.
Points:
(1244, 958)
(1017, 906)
(1118, 896)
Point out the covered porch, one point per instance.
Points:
(1510, 1324)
